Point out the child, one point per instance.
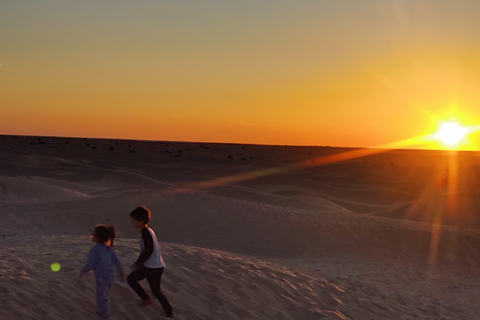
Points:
(103, 260)
(149, 264)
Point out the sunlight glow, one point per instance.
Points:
(451, 133)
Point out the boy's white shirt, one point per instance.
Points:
(155, 260)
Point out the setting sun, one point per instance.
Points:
(451, 133)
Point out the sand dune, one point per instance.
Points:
(382, 237)
(24, 189)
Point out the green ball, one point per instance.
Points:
(55, 267)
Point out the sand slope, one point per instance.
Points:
(201, 284)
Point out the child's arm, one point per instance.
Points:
(148, 243)
(90, 262)
(119, 266)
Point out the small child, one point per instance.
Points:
(149, 264)
(103, 260)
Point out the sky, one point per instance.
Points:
(339, 73)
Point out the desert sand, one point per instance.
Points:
(247, 231)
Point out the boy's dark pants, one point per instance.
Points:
(154, 277)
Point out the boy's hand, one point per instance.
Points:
(134, 267)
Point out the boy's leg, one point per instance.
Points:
(133, 278)
(103, 290)
(154, 280)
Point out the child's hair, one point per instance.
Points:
(141, 214)
(104, 233)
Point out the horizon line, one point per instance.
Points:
(231, 143)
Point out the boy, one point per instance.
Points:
(149, 264)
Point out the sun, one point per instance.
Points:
(451, 133)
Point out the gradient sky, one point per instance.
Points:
(339, 73)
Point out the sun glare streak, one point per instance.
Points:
(359, 153)
(324, 160)
(451, 176)
(450, 187)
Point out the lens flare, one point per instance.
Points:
(55, 267)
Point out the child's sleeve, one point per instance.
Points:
(92, 256)
(147, 252)
(118, 264)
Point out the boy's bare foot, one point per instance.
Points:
(145, 303)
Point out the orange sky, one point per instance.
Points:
(346, 73)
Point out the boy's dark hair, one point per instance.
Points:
(141, 214)
(105, 233)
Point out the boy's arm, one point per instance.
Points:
(91, 260)
(148, 244)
